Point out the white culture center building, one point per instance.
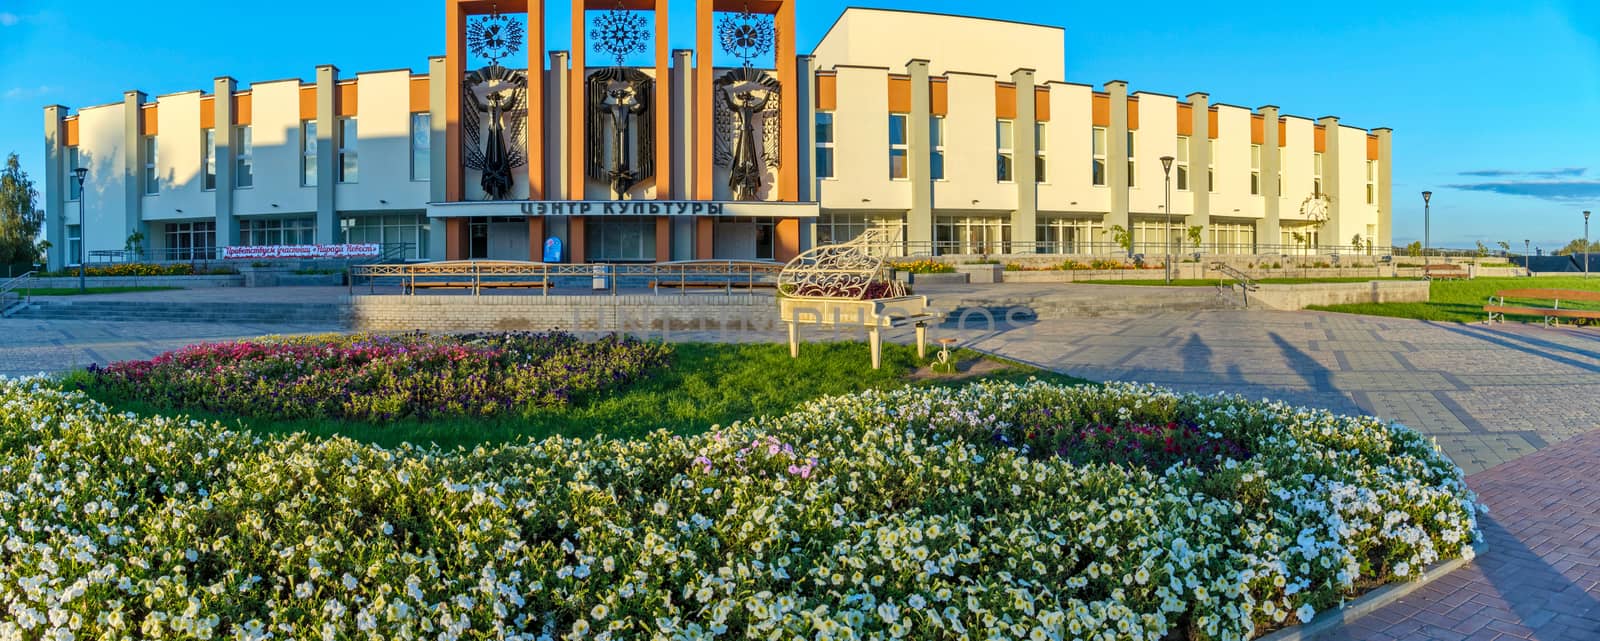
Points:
(960, 133)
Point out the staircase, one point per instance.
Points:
(12, 300)
(246, 314)
(1242, 282)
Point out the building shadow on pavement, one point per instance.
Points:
(1519, 343)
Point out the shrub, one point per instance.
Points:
(924, 266)
(881, 514)
(379, 378)
(145, 269)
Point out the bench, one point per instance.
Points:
(1497, 308)
(1443, 272)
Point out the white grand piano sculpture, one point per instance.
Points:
(849, 285)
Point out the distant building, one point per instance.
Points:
(960, 133)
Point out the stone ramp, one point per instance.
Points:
(1067, 301)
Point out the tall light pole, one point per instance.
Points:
(79, 173)
(1427, 228)
(1586, 246)
(1166, 170)
(1527, 249)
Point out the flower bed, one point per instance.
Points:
(893, 514)
(377, 378)
(143, 269)
(923, 266)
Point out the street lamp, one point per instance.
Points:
(1426, 227)
(1166, 170)
(1586, 247)
(1527, 250)
(79, 174)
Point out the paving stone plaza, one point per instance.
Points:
(1516, 406)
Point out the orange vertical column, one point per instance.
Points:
(536, 238)
(536, 115)
(662, 106)
(663, 238)
(789, 140)
(455, 63)
(455, 239)
(575, 241)
(704, 227)
(576, 171)
(786, 239)
(702, 107)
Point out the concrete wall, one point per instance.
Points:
(1292, 297)
(888, 38)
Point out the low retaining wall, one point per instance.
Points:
(629, 313)
(184, 282)
(1293, 297)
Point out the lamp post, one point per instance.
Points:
(1166, 170)
(1527, 250)
(1586, 246)
(1426, 227)
(79, 173)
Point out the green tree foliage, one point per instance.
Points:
(1121, 236)
(1576, 247)
(1194, 233)
(1414, 249)
(19, 216)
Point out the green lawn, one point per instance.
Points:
(1212, 282)
(73, 291)
(706, 384)
(1463, 300)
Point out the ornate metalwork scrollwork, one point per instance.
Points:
(494, 36)
(499, 96)
(620, 104)
(746, 35)
(854, 270)
(620, 33)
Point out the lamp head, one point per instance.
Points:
(80, 173)
(1166, 164)
(1585, 215)
(1426, 196)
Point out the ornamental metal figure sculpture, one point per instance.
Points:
(749, 101)
(620, 104)
(748, 128)
(495, 117)
(852, 270)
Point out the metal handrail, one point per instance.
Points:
(474, 274)
(9, 287)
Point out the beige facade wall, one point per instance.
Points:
(383, 124)
(276, 152)
(969, 165)
(861, 148)
(883, 38)
(1157, 136)
(1068, 187)
(179, 157)
(102, 149)
(1231, 157)
(1298, 174)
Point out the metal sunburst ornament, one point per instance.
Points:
(746, 35)
(494, 36)
(620, 33)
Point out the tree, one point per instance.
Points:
(1414, 249)
(20, 218)
(1122, 237)
(1576, 247)
(1356, 241)
(1194, 235)
(1505, 247)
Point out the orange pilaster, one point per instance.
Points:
(455, 68)
(576, 93)
(704, 27)
(575, 248)
(576, 171)
(782, 12)
(536, 238)
(703, 234)
(788, 138)
(786, 239)
(455, 65)
(663, 239)
(535, 125)
(455, 239)
(663, 107)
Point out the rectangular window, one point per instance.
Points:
(824, 144)
(1004, 157)
(1183, 163)
(897, 147)
(1372, 182)
(72, 181)
(308, 153)
(1316, 173)
(244, 159)
(74, 244)
(347, 150)
(972, 234)
(191, 241)
(936, 147)
(421, 146)
(152, 179)
(259, 232)
(1039, 164)
(1098, 177)
(1255, 170)
(1211, 171)
(1131, 172)
(209, 140)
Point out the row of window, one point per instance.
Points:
(957, 234)
(899, 150)
(244, 155)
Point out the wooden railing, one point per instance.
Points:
(479, 275)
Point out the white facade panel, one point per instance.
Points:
(101, 148)
(1157, 137)
(1354, 212)
(383, 125)
(888, 38)
(1068, 187)
(1298, 174)
(276, 153)
(180, 154)
(971, 182)
(861, 146)
(1231, 156)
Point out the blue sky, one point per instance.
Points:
(1495, 105)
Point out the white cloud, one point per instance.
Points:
(15, 93)
(8, 19)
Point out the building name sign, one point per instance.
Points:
(621, 208)
(359, 250)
